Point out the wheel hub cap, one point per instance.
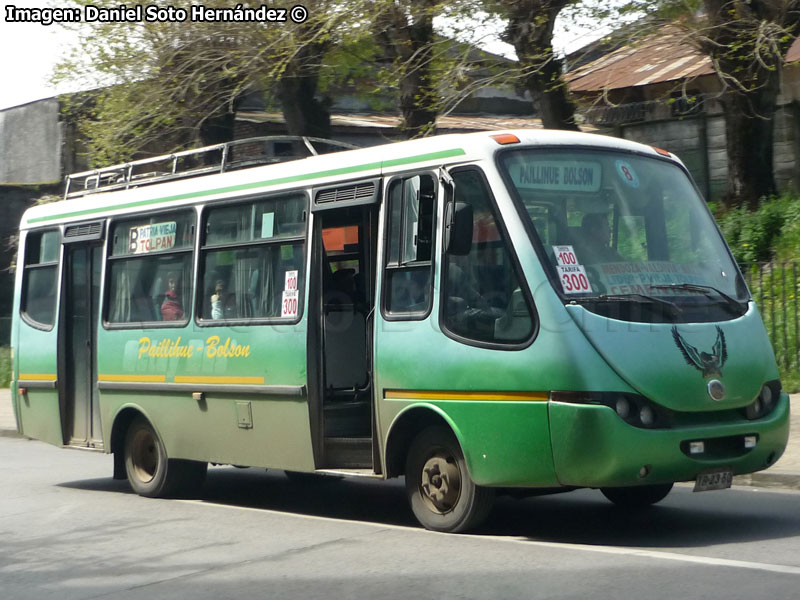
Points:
(441, 483)
(144, 456)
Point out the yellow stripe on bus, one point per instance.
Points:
(133, 378)
(37, 377)
(209, 379)
(471, 396)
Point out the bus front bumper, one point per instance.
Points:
(593, 447)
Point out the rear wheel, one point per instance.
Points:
(439, 488)
(637, 497)
(150, 472)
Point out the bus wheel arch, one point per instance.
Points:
(141, 457)
(424, 446)
(118, 431)
(440, 490)
(406, 426)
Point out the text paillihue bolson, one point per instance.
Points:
(152, 13)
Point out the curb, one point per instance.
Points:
(10, 433)
(787, 481)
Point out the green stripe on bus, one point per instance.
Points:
(397, 162)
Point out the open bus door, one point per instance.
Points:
(340, 341)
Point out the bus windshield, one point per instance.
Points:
(621, 226)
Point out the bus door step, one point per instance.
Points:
(348, 452)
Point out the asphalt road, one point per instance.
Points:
(67, 530)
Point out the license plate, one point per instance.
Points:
(713, 480)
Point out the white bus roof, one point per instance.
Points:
(319, 170)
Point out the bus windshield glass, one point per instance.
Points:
(623, 227)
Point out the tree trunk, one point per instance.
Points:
(408, 41)
(556, 109)
(530, 31)
(303, 113)
(296, 90)
(419, 118)
(749, 145)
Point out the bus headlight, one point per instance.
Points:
(646, 416)
(634, 409)
(623, 407)
(765, 402)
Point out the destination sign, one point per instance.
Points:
(557, 175)
(152, 238)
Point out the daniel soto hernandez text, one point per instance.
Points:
(152, 13)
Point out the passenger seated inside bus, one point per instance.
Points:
(223, 304)
(171, 307)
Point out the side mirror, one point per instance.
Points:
(458, 228)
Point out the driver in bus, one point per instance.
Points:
(596, 240)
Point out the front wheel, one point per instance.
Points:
(439, 488)
(637, 497)
(150, 472)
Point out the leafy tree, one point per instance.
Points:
(404, 31)
(173, 85)
(747, 41)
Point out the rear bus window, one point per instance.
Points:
(150, 269)
(252, 260)
(41, 277)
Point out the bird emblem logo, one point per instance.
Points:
(708, 363)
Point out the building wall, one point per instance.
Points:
(699, 141)
(30, 143)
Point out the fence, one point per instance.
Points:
(775, 289)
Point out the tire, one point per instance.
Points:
(441, 494)
(637, 497)
(150, 472)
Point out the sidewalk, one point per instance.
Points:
(785, 473)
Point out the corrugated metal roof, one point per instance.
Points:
(665, 55)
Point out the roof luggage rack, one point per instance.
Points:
(218, 158)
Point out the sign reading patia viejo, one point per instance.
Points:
(152, 238)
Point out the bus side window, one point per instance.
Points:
(252, 260)
(150, 269)
(410, 228)
(40, 277)
(483, 299)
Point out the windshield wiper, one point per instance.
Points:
(703, 289)
(674, 308)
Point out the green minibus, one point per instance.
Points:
(526, 311)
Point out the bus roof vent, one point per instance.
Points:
(363, 192)
(83, 232)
